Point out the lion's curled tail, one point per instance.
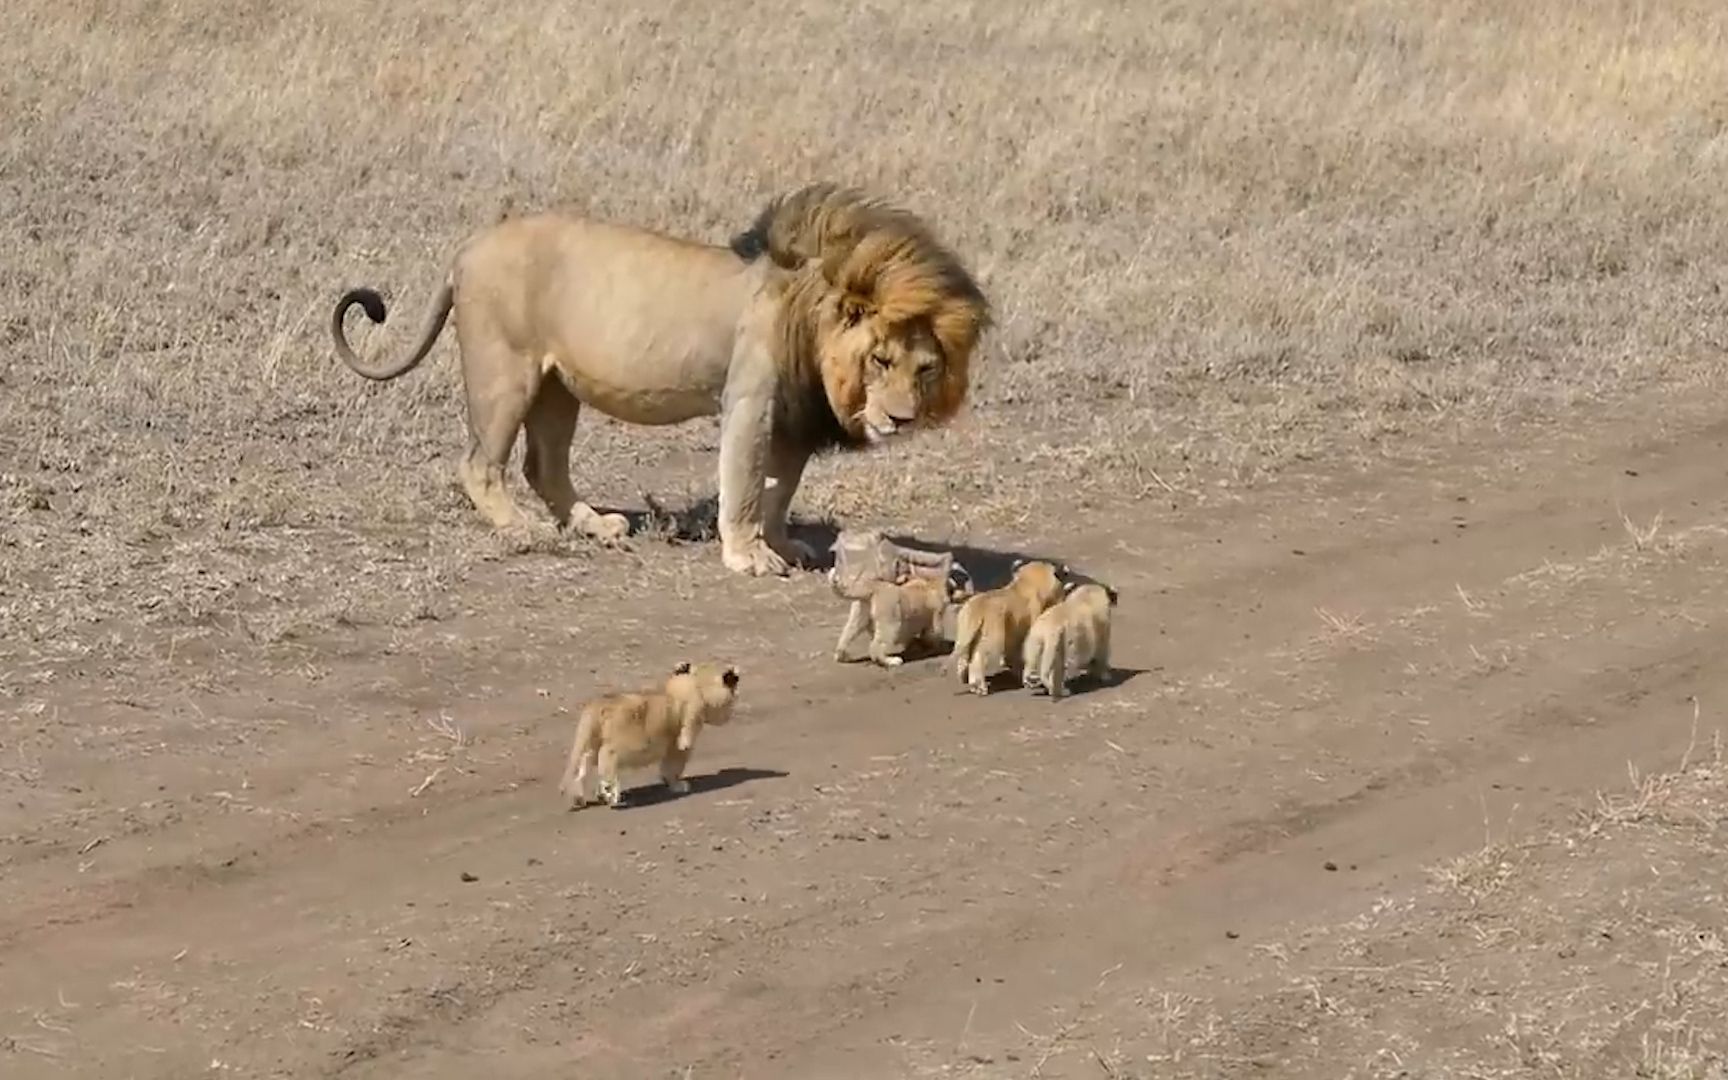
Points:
(372, 304)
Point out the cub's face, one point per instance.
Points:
(882, 380)
(715, 685)
(960, 590)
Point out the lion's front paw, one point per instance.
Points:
(756, 559)
(887, 660)
(678, 787)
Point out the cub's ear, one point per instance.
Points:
(730, 678)
(1069, 587)
(683, 668)
(1112, 594)
(1017, 564)
(854, 309)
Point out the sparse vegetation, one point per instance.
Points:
(1231, 235)
(255, 647)
(1594, 949)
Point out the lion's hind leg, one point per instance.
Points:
(551, 426)
(501, 385)
(987, 655)
(611, 789)
(578, 783)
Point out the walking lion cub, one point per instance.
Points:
(991, 628)
(899, 614)
(634, 729)
(1071, 637)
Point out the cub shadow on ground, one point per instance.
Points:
(1004, 682)
(656, 791)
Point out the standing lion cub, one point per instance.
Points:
(899, 613)
(633, 729)
(991, 627)
(1070, 637)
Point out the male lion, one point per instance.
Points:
(834, 322)
(631, 730)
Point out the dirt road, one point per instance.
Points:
(360, 867)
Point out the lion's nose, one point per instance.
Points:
(905, 414)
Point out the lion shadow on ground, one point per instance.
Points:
(697, 522)
(657, 792)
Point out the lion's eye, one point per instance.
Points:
(927, 370)
(882, 361)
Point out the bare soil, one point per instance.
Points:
(1323, 821)
(1372, 348)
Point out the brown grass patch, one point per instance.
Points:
(1219, 238)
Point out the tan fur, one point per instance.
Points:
(897, 614)
(633, 730)
(1071, 637)
(835, 321)
(990, 630)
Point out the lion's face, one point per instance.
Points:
(902, 369)
(884, 379)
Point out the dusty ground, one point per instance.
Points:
(1370, 348)
(1320, 824)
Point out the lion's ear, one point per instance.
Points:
(730, 678)
(1069, 588)
(854, 309)
(683, 668)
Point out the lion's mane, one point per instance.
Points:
(883, 258)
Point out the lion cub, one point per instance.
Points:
(991, 627)
(899, 613)
(634, 729)
(1070, 637)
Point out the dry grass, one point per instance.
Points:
(1228, 235)
(1591, 951)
